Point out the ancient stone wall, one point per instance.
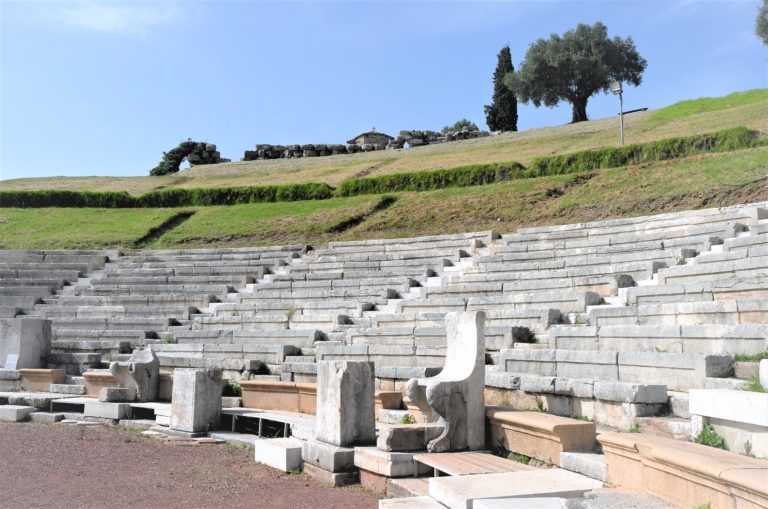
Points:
(413, 138)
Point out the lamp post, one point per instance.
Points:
(616, 90)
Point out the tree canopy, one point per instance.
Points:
(575, 66)
(761, 23)
(459, 125)
(501, 114)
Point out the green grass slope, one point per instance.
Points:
(682, 119)
(703, 181)
(709, 180)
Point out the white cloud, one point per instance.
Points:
(128, 17)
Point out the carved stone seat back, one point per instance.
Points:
(140, 372)
(455, 397)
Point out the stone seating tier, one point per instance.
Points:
(639, 224)
(747, 339)
(733, 288)
(739, 268)
(235, 317)
(153, 289)
(226, 279)
(683, 313)
(678, 371)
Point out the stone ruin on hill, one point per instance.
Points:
(365, 142)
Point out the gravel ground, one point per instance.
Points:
(98, 466)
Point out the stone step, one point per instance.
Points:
(76, 389)
(586, 463)
(670, 427)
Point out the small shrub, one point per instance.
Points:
(520, 458)
(170, 340)
(539, 403)
(708, 436)
(408, 419)
(753, 385)
(233, 389)
(634, 428)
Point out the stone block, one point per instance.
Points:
(141, 372)
(284, 454)
(630, 392)
(196, 401)
(345, 403)
(763, 373)
(460, 492)
(40, 380)
(117, 394)
(46, 417)
(114, 411)
(597, 365)
(15, 413)
(328, 457)
(335, 479)
(407, 437)
(737, 406)
(389, 464)
(29, 338)
(586, 463)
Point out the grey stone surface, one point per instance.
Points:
(456, 395)
(630, 392)
(117, 394)
(763, 373)
(589, 464)
(328, 457)
(29, 338)
(15, 413)
(196, 401)
(345, 403)
(613, 500)
(407, 437)
(103, 410)
(46, 417)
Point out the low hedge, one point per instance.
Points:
(670, 148)
(462, 176)
(165, 198)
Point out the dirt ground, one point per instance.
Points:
(98, 466)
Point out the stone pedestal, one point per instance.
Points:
(345, 403)
(196, 402)
(29, 338)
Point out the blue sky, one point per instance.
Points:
(103, 88)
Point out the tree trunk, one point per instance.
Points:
(579, 110)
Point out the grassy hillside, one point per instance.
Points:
(703, 181)
(708, 180)
(687, 118)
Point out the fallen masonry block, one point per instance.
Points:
(284, 454)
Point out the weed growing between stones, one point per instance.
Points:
(708, 436)
(408, 419)
(754, 385)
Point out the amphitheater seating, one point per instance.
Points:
(664, 300)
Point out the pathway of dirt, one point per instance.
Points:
(98, 466)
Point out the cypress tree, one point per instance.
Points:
(501, 114)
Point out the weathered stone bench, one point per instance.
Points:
(282, 396)
(539, 435)
(684, 473)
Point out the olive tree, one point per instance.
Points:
(575, 66)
